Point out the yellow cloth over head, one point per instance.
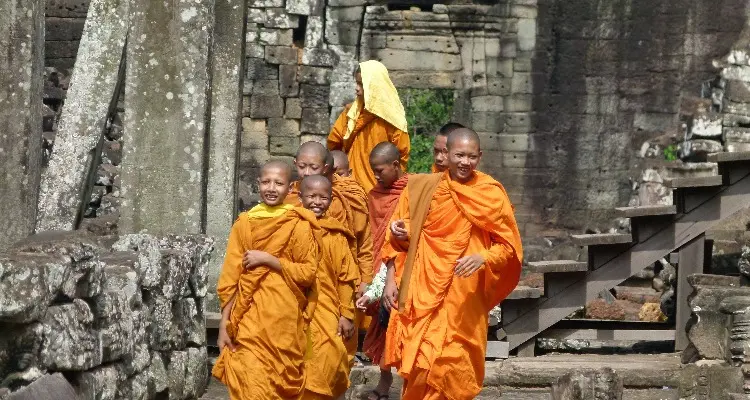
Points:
(381, 98)
(263, 210)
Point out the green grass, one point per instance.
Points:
(426, 111)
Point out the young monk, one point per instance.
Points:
(384, 161)
(348, 206)
(327, 364)
(439, 148)
(376, 115)
(269, 265)
(463, 257)
(341, 164)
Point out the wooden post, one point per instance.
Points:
(691, 261)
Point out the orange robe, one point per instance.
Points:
(368, 132)
(269, 318)
(438, 337)
(382, 204)
(327, 364)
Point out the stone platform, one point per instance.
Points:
(645, 377)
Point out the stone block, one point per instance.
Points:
(163, 329)
(258, 69)
(522, 83)
(67, 8)
(283, 145)
(736, 135)
(697, 150)
(199, 249)
(314, 32)
(256, 16)
(318, 57)
(279, 18)
(266, 87)
(288, 85)
(405, 60)
(514, 159)
(527, 34)
(314, 75)
(196, 372)
(149, 260)
(283, 127)
(28, 284)
(315, 121)
(176, 374)
(737, 91)
(314, 96)
(281, 55)
(502, 67)
(304, 138)
(100, 383)
(706, 127)
(487, 103)
(304, 7)
(254, 134)
(426, 79)
(47, 387)
(265, 3)
(341, 94)
(347, 3)
(588, 385)
(275, 37)
(708, 330)
(63, 29)
(501, 86)
(737, 147)
(519, 143)
(293, 109)
(342, 32)
(191, 320)
(254, 50)
(254, 158)
(69, 343)
(157, 373)
(175, 271)
(434, 43)
(488, 121)
(262, 106)
(518, 103)
(736, 108)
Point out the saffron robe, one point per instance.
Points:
(271, 310)
(369, 130)
(438, 337)
(327, 364)
(382, 204)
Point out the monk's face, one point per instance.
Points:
(385, 172)
(343, 171)
(316, 198)
(359, 91)
(440, 152)
(274, 186)
(463, 158)
(309, 164)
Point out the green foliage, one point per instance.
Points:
(670, 152)
(426, 111)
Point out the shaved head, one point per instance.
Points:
(277, 165)
(462, 135)
(315, 181)
(340, 160)
(313, 148)
(313, 159)
(446, 129)
(385, 152)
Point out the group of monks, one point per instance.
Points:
(424, 256)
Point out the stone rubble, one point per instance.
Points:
(125, 322)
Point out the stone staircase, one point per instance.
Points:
(656, 232)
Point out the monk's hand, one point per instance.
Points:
(398, 229)
(362, 303)
(361, 290)
(224, 340)
(346, 328)
(466, 266)
(254, 258)
(390, 294)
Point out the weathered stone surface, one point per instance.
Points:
(709, 379)
(590, 385)
(176, 373)
(405, 60)
(68, 342)
(22, 49)
(283, 145)
(28, 284)
(257, 69)
(196, 372)
(737, 135)
(314, 75)
(200, 249)
(697, 150)
(288, 84)
(149, 256)
(278, 18)
(342, 93)
(282, 127)
(48, 387)
(706, 127)
(487, 104)
(165, 91)
(275, 37)
(708, 331)
(135, 387)
(315, 120)
(262, 106)
(304, 7)
(281, 55)
(78, 142)
(318, 57)
(163, 329)
(100, 383)
(190, 315)
(226, 106)
(293, 108)
(314, 32)
(314, 96)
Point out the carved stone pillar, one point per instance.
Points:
(739, 334)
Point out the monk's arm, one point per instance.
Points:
(347, 285)
(336, 136)
(232, 268)
(400, 214)
(498, 254)
(302, 265)
(401, 140)
(364, 247)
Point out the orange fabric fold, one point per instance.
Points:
(442, 326)
(368, 132)
(271, 311)
(327, 365)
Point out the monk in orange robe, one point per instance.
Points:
(341, 164)
(327, 363)
(384, 161)
(463, 257)
(376, 115)
(348, 206)
(269, 266)
(439, 146)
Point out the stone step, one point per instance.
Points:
(597, 239)
(701, 181)
(212, 320)
(544, 267)
(729, 157)
(525, 292)
(645, 211)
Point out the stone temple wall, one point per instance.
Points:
(64, 25)
(120, 318)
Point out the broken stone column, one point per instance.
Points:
(22, 63)
(79, 136)
(165, 118)
(738, 307)
(226, 117)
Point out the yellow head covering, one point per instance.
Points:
(263, 210)
(381, 98)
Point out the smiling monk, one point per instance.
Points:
(440, 148)
(463, 257)
(269, 266)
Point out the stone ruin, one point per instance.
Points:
(118, 317)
